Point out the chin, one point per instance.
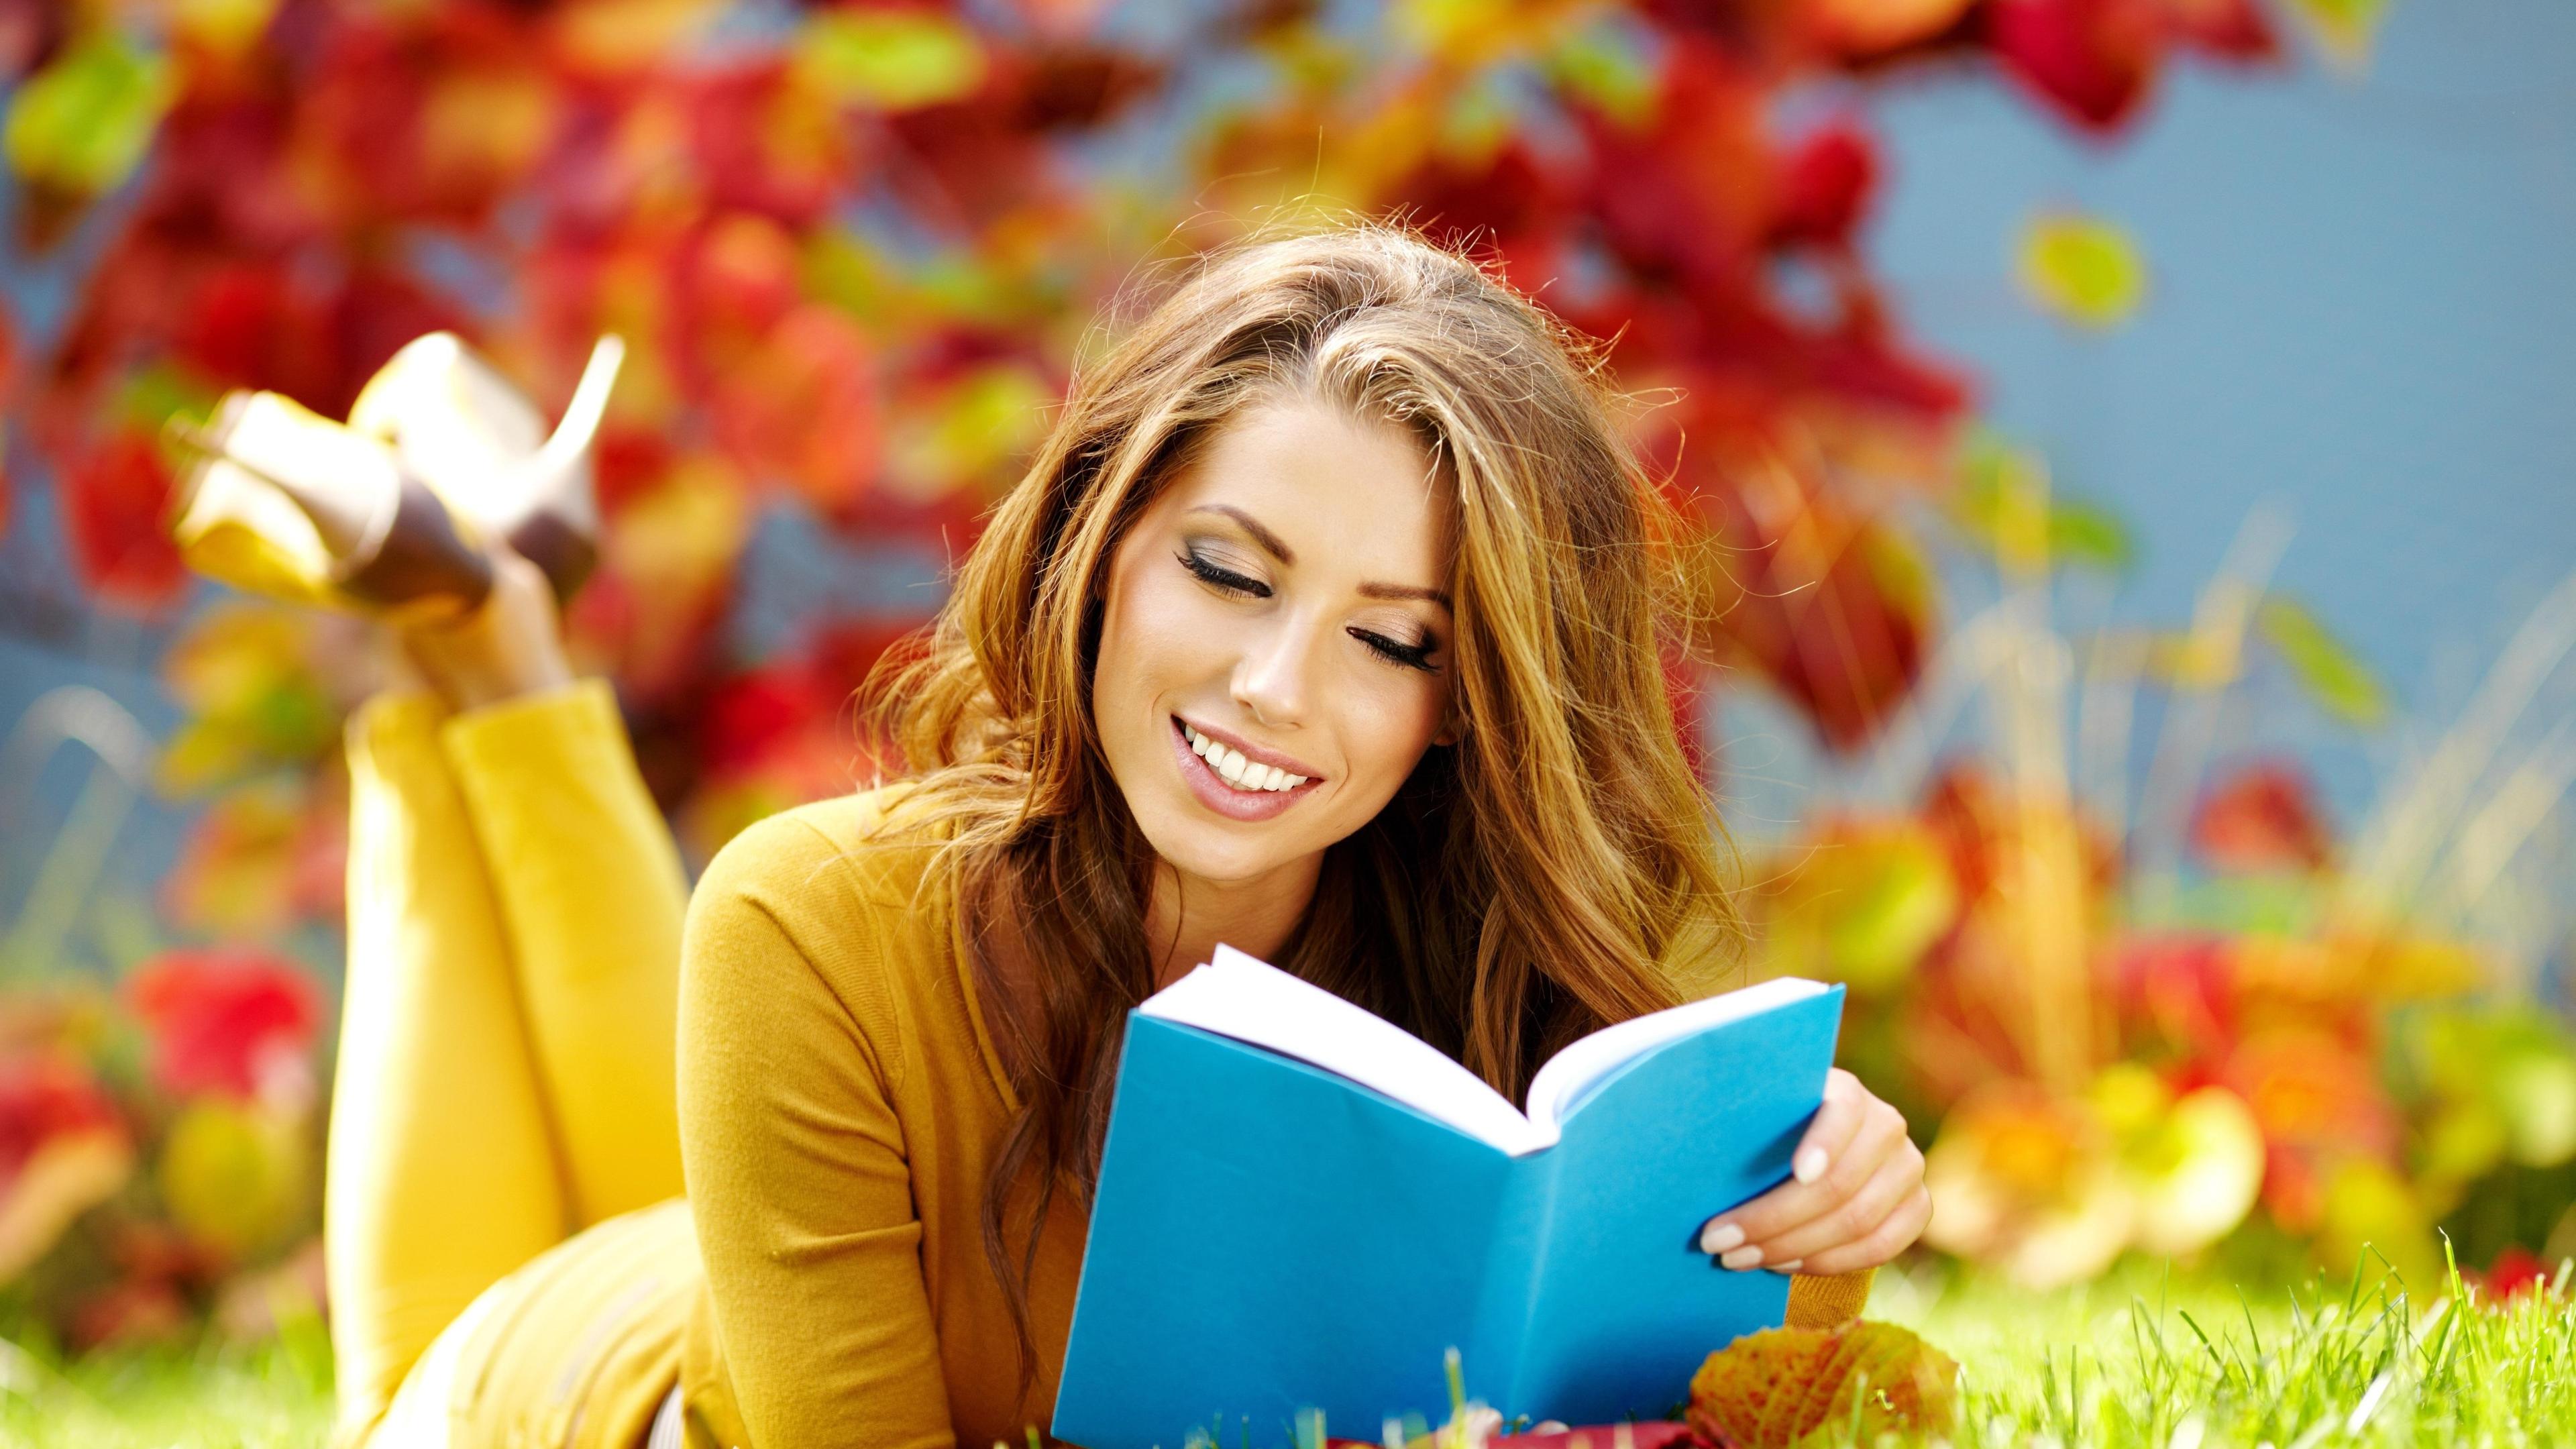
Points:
(1217, 851)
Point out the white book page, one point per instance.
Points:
(1563, 1080)
(1251, 1001)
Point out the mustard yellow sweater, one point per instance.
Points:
(839, 1102)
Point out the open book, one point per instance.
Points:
(1303, 1205)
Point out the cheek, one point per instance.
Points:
(1389, 720)
(1150, 641)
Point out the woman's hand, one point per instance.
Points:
(1855, 1198)
(512, 644)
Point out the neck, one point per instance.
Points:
(1187, 918)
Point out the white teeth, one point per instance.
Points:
(1231, 766)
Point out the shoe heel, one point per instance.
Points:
(474, 438)
(558, 530)
(280, 502)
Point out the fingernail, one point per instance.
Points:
(1742, 1258)
(1809, 1166)
(1788, 1267)
(1720, 1238)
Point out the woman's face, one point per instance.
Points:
(1274, 644)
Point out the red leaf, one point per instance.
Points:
(1603, 1436)
(113, 500)
(44, 1094)
(2094, 60)
(2235, 29)
(2516, 1272)
(224, 1020)
(1825, 187)
(2262, 818)
(1833, 611)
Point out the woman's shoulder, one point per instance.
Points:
(867, 838)
(858, 863)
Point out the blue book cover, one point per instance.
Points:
(1303, 1206)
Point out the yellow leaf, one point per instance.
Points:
(225, 27)
(1770, 1390)
(2195, 1168)
(1872, 26)
(968, 431)
(629, 35)
(2345, 28)
(2081, 270)
(233, 1175)
(1862, 907)
(896, 60)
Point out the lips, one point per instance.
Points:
(1237, 799)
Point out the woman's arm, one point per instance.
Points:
(796, 1162)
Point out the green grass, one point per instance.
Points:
(2158, 1362)
(213, 1395)
(2141, 1359)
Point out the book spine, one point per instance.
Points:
(1524, 1232)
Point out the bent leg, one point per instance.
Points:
(442, 1173)
(591, 897)
(576, 1349)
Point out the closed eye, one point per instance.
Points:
(1411, 656)
(1224, 580)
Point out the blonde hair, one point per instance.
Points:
(1539, 879)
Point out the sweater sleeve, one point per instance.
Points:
(1822, 1302)
(796, 1162)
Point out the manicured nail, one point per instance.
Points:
(1809, 1166)
(1742, 1258)
(1720, 1237)
(1788, 1267)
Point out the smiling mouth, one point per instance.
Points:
(1228, 764)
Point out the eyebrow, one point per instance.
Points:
(1278, 548)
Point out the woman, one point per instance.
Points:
(1321, 625)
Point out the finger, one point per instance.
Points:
(1846, 1103)
(1737, 1235)
(1855, 1217)
(1882, 1244)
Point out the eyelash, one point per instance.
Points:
(1227, 581)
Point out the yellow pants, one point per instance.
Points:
(505, 1074)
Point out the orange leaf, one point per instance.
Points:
(1772, 1389)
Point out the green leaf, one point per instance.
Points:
(84, 123)
(895, 60)
(1605, 64)
(2336, 678)
(2004, 501)
(2089, 534)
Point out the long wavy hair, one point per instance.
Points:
(1555, 870)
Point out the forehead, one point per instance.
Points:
(1344, 492)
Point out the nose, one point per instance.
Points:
(1273, 678)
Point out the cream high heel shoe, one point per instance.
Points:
(394, 512)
